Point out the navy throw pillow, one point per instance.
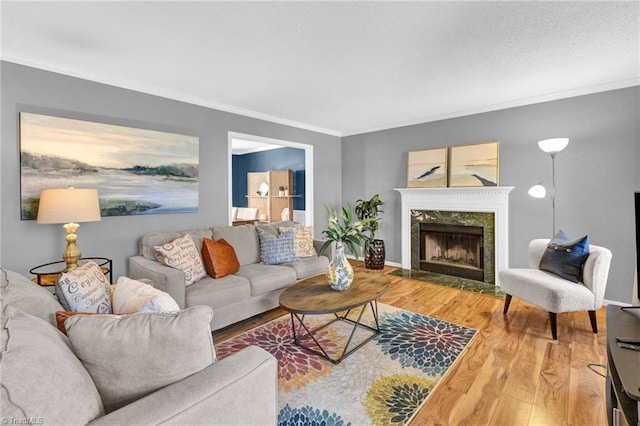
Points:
(560, 237)
(565, 258)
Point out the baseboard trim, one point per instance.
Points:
(395, 264)
(615, 302)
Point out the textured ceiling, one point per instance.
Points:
(337, 67)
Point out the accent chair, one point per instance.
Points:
(556, 294)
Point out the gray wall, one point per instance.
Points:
(595, 176)
(25, 244)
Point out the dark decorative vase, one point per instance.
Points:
(374, 255)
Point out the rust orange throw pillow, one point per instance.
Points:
(219, 258)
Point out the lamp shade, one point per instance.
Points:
(553, 145)
(538, 191)
(68, 205)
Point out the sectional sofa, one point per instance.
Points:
(254, 289)
(48, 379)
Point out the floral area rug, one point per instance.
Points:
(384, 382)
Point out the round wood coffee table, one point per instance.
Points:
(313, 296)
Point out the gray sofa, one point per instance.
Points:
(254, 289)
(44, 382)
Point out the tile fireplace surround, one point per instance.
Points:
(493, 199)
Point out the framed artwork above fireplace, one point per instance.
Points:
(427, 168)
(474, 165)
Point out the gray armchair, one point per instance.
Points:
(555, 294)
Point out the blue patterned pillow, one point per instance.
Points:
(565, 258)
(276, 249)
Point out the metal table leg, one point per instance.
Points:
(302, 332)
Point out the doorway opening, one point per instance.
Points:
(241, 144)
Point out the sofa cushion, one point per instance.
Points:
(152, 239)
(17, 290)
(265, 278)
(182, 254)
(132, 296)
(302, 240)
(84, 289)
(130, 356)
(219, 258)
(244, 240)
(274, 227)
(41, 377)
(61, 317)
(216, 293)
(276, 249)
(309, 266)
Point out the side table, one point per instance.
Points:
(48, 273)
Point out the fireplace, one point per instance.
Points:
(458, 206)
(457, 243)
(456, 250)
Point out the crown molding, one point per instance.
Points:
(195, 100)
(157, 91)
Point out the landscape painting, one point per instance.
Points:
(427, 168)
(136, 171)
(474, 165)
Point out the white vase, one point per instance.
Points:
(340, 272)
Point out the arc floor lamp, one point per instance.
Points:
(552, 147)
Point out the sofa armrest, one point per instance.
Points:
(163, 277)
(241, 389)
(330, 252)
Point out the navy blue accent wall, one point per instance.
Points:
(239, 181)
(273, 159)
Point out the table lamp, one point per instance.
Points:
(69, 206)
(552, 147)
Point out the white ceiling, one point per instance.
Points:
(337, 67)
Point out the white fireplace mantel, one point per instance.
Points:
(493, 199)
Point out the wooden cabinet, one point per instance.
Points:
(263, 193)
(623, 379)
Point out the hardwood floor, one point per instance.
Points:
(512, 373)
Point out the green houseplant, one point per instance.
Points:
(368, 212)
(348, 233)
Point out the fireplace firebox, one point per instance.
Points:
(456, 250)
